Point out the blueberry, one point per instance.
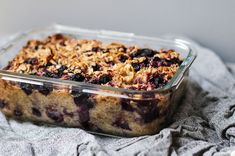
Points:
(32, 61)
(156, 58)
(146, 52)
(75, 91)
(80, 98)
(134, 54)
(2, 104)
(174, 61)
(90, 104)
(123, 58)
(61, 69)
(159, 81)
(148, 110)
(84, 103)
(62, 43)
(121, 124)
(94, 81)
(45, 89)
(126, 105)
(27, 88)
(54, 114)
(105, 79)
(96, 67)
(145, 63)
(77, 77)
(18, 112)
(136, 66)
(51, 74)
(36, 112)
(142, 53)
(49, 64)
(83, 99)
(151, 115)
(36, 47)
(84, 114)
(156, 62)
(95, 49)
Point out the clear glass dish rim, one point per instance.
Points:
(173, 83)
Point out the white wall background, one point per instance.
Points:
(210, 22)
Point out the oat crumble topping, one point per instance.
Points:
(63, 57)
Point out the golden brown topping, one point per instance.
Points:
(114, 64)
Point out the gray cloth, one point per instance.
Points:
(204, 124)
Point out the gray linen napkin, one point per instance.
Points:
(204, 123)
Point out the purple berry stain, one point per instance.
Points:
(2, 103)
(54, 114)
(36, 112)
(119, 122)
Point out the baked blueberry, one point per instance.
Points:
(33, 61)
(77, 77)
(123, 58)
(136, 66)
(146, 52)
(142, 53)
(174, 61)
(125, 103)
(96, 67)
(27, 88)
(75, 91)
(36, 112)
(2, 104)
(105, 79)
(61, 69)
(159, 80)
(45, 89)
(54, 114)
(156, 62)
(95, 49)
(151, 115)
(51, 74)
(83, 99)
(79, 99)
(49, 64)
(148, 110)
(84, 114)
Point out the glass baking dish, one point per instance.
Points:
(94, 108)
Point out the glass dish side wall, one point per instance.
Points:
(98, 110)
